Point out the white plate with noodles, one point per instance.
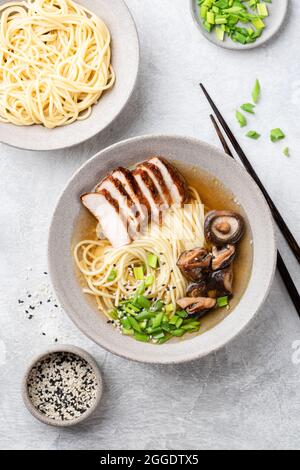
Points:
(67, 70)
(166, 258)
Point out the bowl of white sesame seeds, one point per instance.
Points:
(63, 386)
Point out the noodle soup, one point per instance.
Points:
(144, 289)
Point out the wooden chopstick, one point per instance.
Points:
(285, 275)
(276, 214)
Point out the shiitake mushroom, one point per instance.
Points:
(223, 257)
(194, 263)
(211, 274)
(224, 227)
(197, 307)
(221, 282)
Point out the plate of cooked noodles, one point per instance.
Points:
(67, 69)
(166, 249)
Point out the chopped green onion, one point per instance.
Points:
(156, 322)
(223, 302)
(256, 91)
(253, 135)
(134, 324)
(157, 306)
(113, 275)
(138, 273)
(169, 308)
(228, 17)
(248, 108)
(262, 9)
(165, 339)
(141, 289)
(241, 119)
(152, 260)
(127, 332)
(181, 314)
(142, 302)
(286, 151)
(149, 281)
(276, 135)
(159, 335)
(126, 323)
(145, 315)
(178, 332)
(113, 314)
(142, 337)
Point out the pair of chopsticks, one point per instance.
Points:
(286, 277)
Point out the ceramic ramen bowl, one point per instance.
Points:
(64, 232)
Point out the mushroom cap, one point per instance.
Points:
(194, 263)
(222, 257)
(197, 289)
(224, 227)
(197, 307)
(222, 281)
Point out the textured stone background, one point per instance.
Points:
(246, 395)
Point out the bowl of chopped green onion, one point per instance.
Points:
(239, 24)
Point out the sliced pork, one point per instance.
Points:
(106, 210)
(173, 179)
(150, 192)
(125, 203)
(128, 181)
(159, 181)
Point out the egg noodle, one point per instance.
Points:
(182, 229)
(55, 62)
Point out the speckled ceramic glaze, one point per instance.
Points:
(62, 349)
(125, 60)
(278, 11)
(192, 152)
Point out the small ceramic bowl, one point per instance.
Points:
(81, 354)
(278, 12)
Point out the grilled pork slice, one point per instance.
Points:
(130, 185)
(150, 192)
(174, 180)
(125, 203)
(159, 181)
(106, 210)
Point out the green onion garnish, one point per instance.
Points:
(113, 275)
(241, 119)
(256, 91)
(152, 260)
(286, 151)
(149, 281)
(248, 108)
(222, 302)
(253, 135)
(276, 135)
(241, 21)
(138, 273)
(152, 321)
(142, 302)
